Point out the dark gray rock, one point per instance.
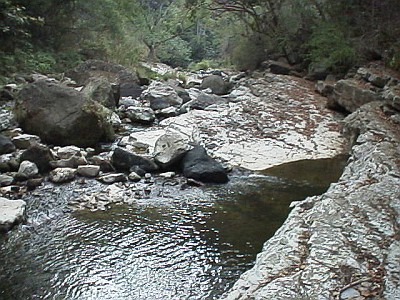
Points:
(217, 85)
(204, 100)
(6, 145)
(124, 160)
(40, 155)
(197, 164)
(351, 95)
(61, 115)
(130, 89)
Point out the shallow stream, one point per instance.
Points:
(190, 244)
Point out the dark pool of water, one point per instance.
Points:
(191, 244)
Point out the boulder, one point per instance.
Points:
(40, 155)
(130, 89)
(88, 170)
(161, 96)
(351, 95)
(61, 115)
(12, 212)
(24, 141)
(125, 160)
(169, 149)
(97, 68)
(197, 164)
(204, 100)
(392, 96)
(324, 88)
(217, 85)
(27, 170)
(139, 114)
(100, 90)
(6, 145)
(61, 175)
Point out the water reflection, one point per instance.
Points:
(192, 246)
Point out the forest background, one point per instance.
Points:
(52, 35)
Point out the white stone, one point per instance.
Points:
(28, 169)
(88, 170)
(61, 175)
(11, 212)
(68, 151)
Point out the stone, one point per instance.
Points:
(130, 89)
(27, 170)
(113, 178)
(133, 176)
(167, 174)
(124, 160)
(378, 80)
(170, 149)
(61, 115)
(6, 119)
(72, 162)
(92, 68)
(24, 141)
(68, 151)
(103, 162)
(12, 212)
(6, 145)
(40, 155)
(204, 100)
(350, 95)
(33, 183)
(217, 85)
(197, 164)
(6, 180)
(142, 115)
(88, 170)
(160, 96)
(324, 88)
(101, 91)
(61, 175)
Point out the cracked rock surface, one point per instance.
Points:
(344, 244)
(267, 121)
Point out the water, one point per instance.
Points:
(191, 244)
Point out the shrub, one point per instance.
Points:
(328, 47)
(175, 52)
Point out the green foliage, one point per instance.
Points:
(175, 52)
(328, 47)
(174, 75)
(204, 64)
(248, 53)
(144, 72)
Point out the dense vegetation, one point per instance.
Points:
(52, 35)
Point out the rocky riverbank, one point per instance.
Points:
(343, 244)
(151, 133)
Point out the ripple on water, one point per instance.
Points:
(192, 246)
